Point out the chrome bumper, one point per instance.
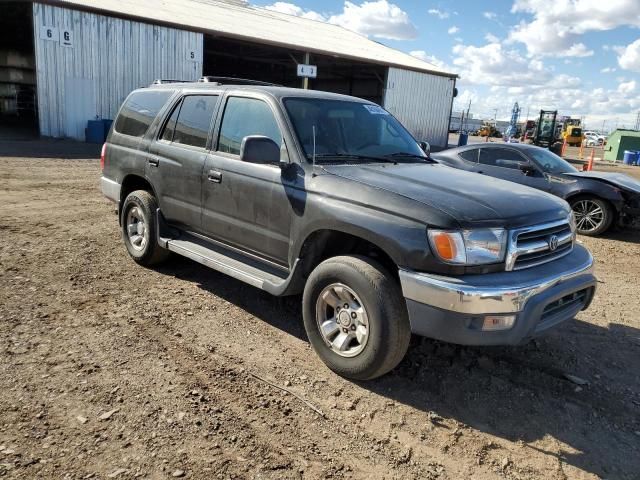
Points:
(503, 292)
(110, 189)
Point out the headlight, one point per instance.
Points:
(469, 247)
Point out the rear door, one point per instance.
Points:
(177, 158)
(506, 163)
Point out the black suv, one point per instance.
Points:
(298, 191)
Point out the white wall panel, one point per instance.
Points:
(109, 57)
(422, 102)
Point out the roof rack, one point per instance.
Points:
(235, 81)
(160, 81)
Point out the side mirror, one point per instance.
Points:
(527, 169)
(426, 148)
(259, 149)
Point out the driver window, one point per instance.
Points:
(244, 117)
(501, 157)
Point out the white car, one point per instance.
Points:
(592, 139)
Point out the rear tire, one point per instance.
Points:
(355, 317)
(138, 227)
(594, 216)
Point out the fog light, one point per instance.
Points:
(498, 322)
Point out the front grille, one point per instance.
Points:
(532, 246)
(564, 304)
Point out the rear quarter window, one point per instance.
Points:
(139, 110)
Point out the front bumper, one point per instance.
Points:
(453, 309)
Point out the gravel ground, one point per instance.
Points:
(110, 370)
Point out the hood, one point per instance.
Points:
(471, 199)
(617, 179)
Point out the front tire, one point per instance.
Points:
(355, 317)
(593, 215)
(138, 227)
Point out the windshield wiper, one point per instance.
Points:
(353, 156)
(410, 155)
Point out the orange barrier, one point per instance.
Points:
(564, 148)
(591, 158)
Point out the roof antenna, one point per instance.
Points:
(313, 154)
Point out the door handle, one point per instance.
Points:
(214, 176)
(480, 171)
(154, 162)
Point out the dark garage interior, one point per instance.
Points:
(226, 57)
(18, 108)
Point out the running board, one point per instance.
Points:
(229, 262)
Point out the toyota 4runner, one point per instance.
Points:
(298, 191)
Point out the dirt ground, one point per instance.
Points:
(111, 370)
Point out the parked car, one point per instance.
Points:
(593, 140)
(598, 199)
(313, 193)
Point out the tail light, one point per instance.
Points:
(102, 153)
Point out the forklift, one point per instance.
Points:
(545, 134)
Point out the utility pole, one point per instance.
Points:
(638, 121)
(468, 108)
(305, 80)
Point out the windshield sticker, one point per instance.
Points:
(376, 110)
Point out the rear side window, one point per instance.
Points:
(470, 155)
(244, 117)
(139, 110)
(194, 120)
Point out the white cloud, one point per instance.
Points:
(491, 38)
(453, 30)
(629, 56)
(425, 57)
(627, 87)
(557, 26)
(494, 64)
(490, 15)
(608, 70)
(439, 13)
(291, 9)
(377, 18)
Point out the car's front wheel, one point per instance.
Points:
(138, 225)
(593, 215)
(355, 317)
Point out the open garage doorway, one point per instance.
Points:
(226, 57)
(18, 106)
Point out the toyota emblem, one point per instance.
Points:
(553, 242)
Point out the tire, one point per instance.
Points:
(594, 216)
(383, 312)
(142, 244)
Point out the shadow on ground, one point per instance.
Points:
(516, 393)
(39, 148)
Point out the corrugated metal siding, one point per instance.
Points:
(115, 55)
(422, 102)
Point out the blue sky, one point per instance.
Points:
(581, 57)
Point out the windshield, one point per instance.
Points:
(550, 162)
(350, 129)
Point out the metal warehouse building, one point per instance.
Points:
(85, 56)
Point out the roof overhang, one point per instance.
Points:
(235, 20)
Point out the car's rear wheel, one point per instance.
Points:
(593, 215)
(355, 317)
(138, 225)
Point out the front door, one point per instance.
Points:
(177, 158)
(248, 205)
